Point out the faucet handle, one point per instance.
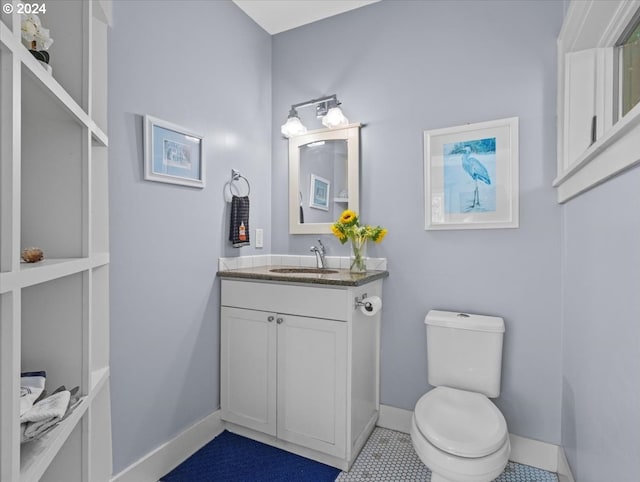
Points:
(321, 246)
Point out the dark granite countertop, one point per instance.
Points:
(331, 276)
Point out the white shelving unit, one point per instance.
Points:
(54, 315)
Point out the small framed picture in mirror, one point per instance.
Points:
(319, 193)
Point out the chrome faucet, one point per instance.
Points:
(319, 252)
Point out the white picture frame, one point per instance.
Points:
(172, 154)
(319, 191)
(471, 176)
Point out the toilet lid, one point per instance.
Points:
(461, 423)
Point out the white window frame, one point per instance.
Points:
(587, 87)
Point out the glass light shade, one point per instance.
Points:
(334, 118)
(292, 127)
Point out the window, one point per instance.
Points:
(598, 93)
(630, 69)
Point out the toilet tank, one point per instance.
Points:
(464, 351)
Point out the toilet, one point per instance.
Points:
(457, 432)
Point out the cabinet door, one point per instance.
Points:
(312, 383)
(248, 368)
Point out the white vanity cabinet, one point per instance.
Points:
(285, 375)
(248, 368)
(300, 367)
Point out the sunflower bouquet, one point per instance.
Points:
(348, 228)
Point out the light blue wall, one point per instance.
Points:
(601, 332)
(402, 67)
(206, 66)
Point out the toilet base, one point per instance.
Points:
(446, 467)
(439, 478)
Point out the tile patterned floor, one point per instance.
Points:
(389, 456)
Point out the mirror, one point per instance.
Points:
(324, 178)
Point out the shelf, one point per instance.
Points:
(340, 199)
(99, 259)
(53, 176)
(55, 313)
(5, 20)
(5, 32)
(53, 328)
(36, 456)
(30, 274)
(51, 85)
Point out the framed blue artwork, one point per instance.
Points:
(471, 176)
(319, 193)
(172, 154)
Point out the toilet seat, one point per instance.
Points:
(445, 466)
(461, 423)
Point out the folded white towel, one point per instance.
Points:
(30, 431)
(54, 406)
(31, 386)
(34, 430)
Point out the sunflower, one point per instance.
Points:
(348, 227)
(348, 218)
(380, 234)
(338, 233)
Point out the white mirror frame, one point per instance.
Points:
(350, 133)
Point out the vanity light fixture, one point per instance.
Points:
(334, 116)
(293, 126)
(326, 107)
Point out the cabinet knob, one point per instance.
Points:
(270, 319)
(279, 320)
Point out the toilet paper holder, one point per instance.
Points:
(359, 301)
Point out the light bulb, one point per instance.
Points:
(334, 118)
(292, 127)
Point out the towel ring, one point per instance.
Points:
(236, 176)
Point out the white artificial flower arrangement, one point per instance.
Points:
(34, 34)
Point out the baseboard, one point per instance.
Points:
(532, 452)
(169, 455)
(332, 460)
(361, 440)
(172, 453)
(564, 471)
(523, 450)
(395, 418)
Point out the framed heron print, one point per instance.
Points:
(471, 176)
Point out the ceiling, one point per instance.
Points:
(276, 16)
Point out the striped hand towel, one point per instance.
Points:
(239, 226)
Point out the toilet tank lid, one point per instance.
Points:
(465, 321)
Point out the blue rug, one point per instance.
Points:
(230, 457)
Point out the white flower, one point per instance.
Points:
(29, 30)
(32, 31)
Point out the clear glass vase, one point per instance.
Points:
(358, 255)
